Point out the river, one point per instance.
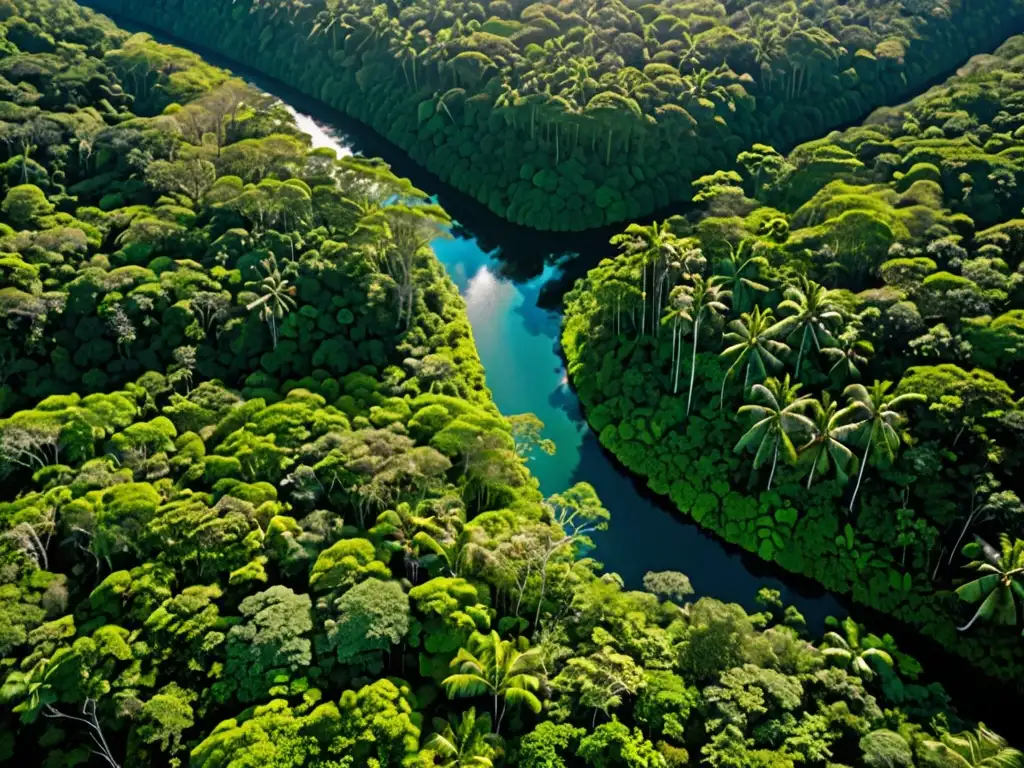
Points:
(509, 278)
(512, 280)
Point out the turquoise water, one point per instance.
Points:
(518, 345)
(505, 285)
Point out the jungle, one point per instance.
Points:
(258, 507)
(827, 355)
(580, 113)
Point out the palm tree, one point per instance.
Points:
(825, 447)
(653, 243)
(508, 101)
(333, 17)
(849, 653)
(276, 300)
(492, 666)
(377, 26)
(693, 304)
(454, 551)
(464, 742)
(1001, 583)
(752, 342)
(402, 46)
(814, 310)
(849, 355)
(972, 749)
(739, 271)
(677, 311)
(706, 84)
(778, 417)
(768, 48)
(878, 416)
(690, 56)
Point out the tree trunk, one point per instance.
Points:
(412, 298)
(40, 547)
(643, 300)
(693, 363)
(679, 357)
(775, 461)
(970, 519)
(860, 474)
(800, 355)
(543, 587)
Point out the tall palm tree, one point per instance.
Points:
(876, 415)
(741, 272)
(825, 448)
(752, 342)
(276, 300)
(333, 17)
(377, 27)
(508, 101)
(847, 650)
(492, 666)
(778, 418)
(972, 749)
(1001, 583)
(464, 742)
(814, 313)
(653, 243)
(694, 304)
(403, 47)
(677, 312)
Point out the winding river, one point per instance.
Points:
(513, 280)
(509, 278)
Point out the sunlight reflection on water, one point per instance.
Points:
(321, 134)
(517, 342)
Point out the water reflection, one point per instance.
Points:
(518, 344)
(509, 278)
(323, 135)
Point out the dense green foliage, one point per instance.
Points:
(575, 114)
(134, 243)
(271, 517)
(888, 253)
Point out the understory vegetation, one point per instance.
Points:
(823, 363)
(569, 115)
(258, 508)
